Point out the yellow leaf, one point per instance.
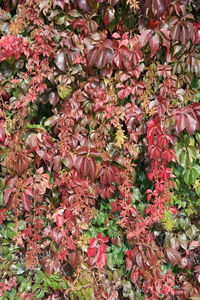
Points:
(16, 28)
(120, 138)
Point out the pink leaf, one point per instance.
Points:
(173, 256)
(26, 202)
(154, 45)
(144, 37)
(7, 195)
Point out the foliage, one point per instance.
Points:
(99, 145)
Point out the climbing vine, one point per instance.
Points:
(99, 145)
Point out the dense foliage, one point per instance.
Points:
(99, 145)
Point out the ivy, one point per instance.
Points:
(99, 150)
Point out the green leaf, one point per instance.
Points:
(197, 168)
(64, 91)
(109, 261)
(88, 293)
(192, 232)
(190, 175)
(39, 293)
(182, 238)
(195, 85)
(181, 157)
(192, 152)
(197, 136)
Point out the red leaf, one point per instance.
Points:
(3, 214)
(91, 252)
(86, 150)
(176, 32)
(109, 15)
(157, 6)
(132, 253)
(74, 259)
(83, 5)
(123, 56)
(107, 175)
(2, 135)
(7, 195)
(196, 108)
(116, 35)
(26, 202)
(86, 166)
(103, 239)
(187, 118)
(78, 163)
(60, 3)
(124, 93)
(154, 44)
(173, 256)
(144, 37)
(59, 220)
(193, 245)
(134, 276)
(97, 250)
(60, 60)
(101, 261)
(53, 98)
(57, 163)
(128, 263)
(101, 55)
(139, 260)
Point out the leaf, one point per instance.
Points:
(64, 91)
(52, 121)
(102, 261)
(193, 245)
(88, 150)
(123, 56)
(173, 256)
(101, 55)
(74, 259)
(120, 138)
(68, 161)
(53, 98)
(2, 135)
(190, 175)
(186, 118)
(129, 263)
(107, 175)
(109, 15)
(192, 232)
(60, 60)
(158, 6)
(59, 220)
(175, 32)
(86, 166)
(182, 238)
(84, 5)
(154, 44)
(109, 261)
(144, 37)
(134, 276)
(139, 260)
(26, 201)
(59, 3)
(7, 194)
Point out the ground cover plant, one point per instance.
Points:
(99, 149)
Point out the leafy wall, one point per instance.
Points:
(99, 144)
